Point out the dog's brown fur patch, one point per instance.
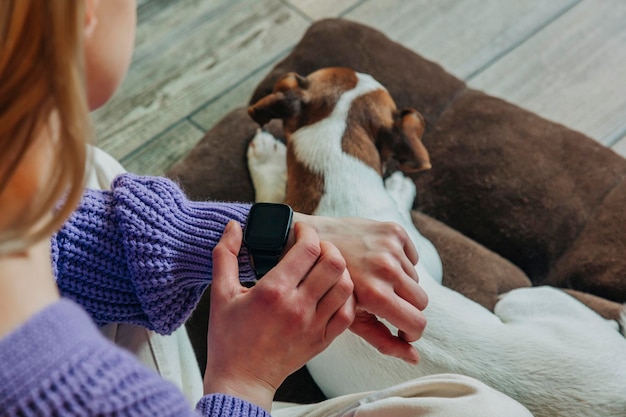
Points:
(369, 115)
(307, 196)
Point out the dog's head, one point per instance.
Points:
(373, 122)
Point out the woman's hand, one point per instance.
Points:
(258, 336)
(381, 260)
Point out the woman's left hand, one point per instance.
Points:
(381, 260)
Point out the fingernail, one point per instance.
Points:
(229, 226)
(414, 358)
(411, 361)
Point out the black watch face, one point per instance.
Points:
(268, 225)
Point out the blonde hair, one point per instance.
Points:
(41, 72)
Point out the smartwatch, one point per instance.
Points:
(266, 234)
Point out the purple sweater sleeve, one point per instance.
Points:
(141, 253)
(59, 364)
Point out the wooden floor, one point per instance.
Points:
(195, 60)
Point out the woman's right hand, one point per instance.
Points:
(258, 336)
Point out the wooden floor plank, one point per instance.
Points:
(461, 35)
(187, 53)
(573, 71)
(320, 9)
(159, 154)
(207, 116)
(620, 147)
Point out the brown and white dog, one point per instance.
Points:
(540, 347)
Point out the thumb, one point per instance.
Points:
(225, 263)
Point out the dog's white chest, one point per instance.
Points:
(319, 147)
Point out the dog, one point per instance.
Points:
(540, 346)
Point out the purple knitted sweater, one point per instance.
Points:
(141, 254)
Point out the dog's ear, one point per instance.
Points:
(291, 81)
(408, 149)
(283, 103)
(277, 105)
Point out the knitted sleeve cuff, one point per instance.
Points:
(141, 253)
(218, 405)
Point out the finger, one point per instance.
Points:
(409, 248)
(325, 273)
(406, 317)
(399, 301)
(301, 257)
(411, 251)
(335, 297)
(409, 268)
(407, 288)
(341, 320)
(225, 262)
(409, 256)
(379, 336)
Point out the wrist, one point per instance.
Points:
(297, 218)
(322, 225)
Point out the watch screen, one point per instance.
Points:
(267, 224)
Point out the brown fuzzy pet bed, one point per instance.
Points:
(512, 199)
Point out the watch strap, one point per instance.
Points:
(263, 262)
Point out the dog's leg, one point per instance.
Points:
(543, 304)
(267, 163)
(402, 191)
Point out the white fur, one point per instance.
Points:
(541, 347)
(263, 151)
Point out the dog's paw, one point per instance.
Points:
(265, 149)
(543, 303)
(402, 190)
(267, 163)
